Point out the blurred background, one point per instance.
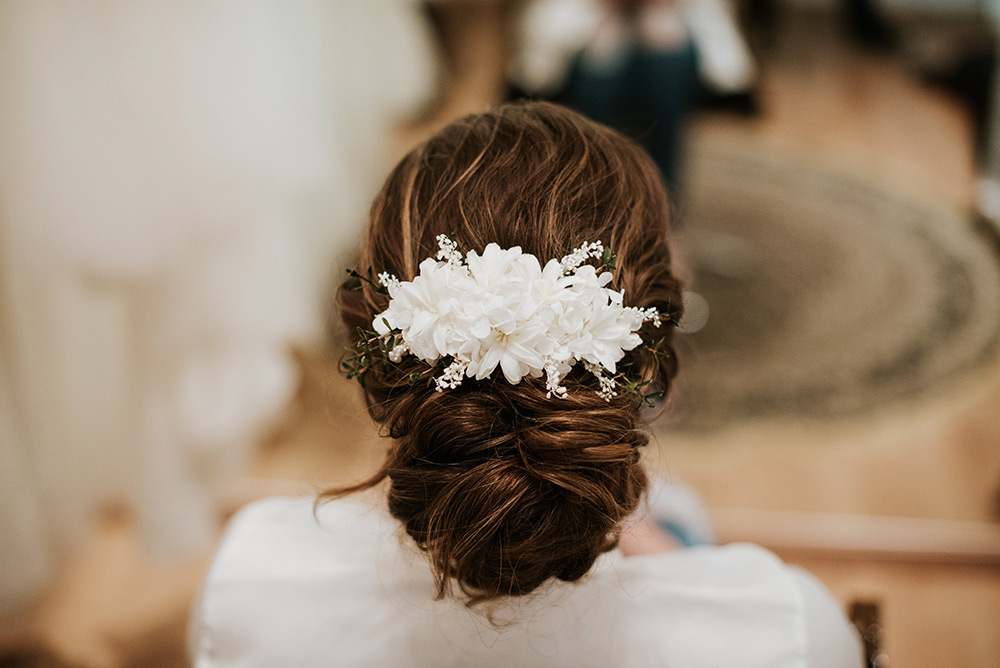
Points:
(183, 183)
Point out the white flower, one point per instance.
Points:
(503, 309)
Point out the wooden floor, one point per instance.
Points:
(940, 458)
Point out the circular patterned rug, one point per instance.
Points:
(827, 296)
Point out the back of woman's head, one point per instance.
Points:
(502, 486)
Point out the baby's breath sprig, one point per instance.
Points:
(570, 263)
(448, 251)
(608, 385)
(388, 281)
(452, 376)
(641, 392)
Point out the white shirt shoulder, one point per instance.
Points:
(342, 586)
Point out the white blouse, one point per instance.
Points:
(345, 587)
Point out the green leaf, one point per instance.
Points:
(608, 260)
(369, 279)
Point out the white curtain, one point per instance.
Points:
(178, 179)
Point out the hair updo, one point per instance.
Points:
(502, 487)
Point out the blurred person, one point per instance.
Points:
(638, 72)
(177, 179)
(507, 354)
(634, 64)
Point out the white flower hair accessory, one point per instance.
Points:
(474, 313)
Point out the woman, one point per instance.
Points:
(511, 387)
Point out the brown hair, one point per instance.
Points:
(502, 487)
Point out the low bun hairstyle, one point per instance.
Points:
(502, 487)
